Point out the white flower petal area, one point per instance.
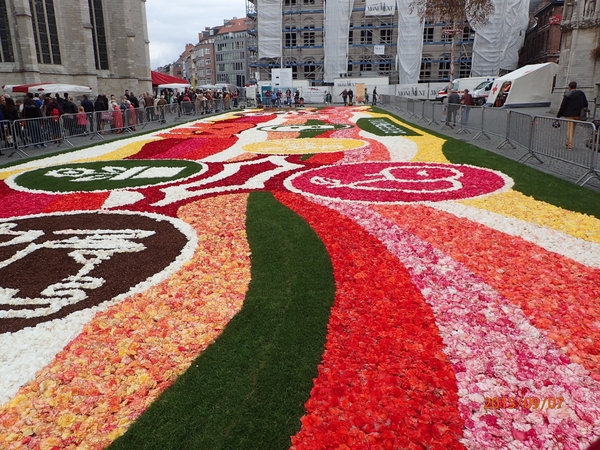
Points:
(584, 252)
(247, 137)
(26, 351)
(400, 148)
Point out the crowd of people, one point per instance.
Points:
(103, 113)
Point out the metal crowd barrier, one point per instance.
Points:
(541, 137)
(518, 130)
(548, 139)
(42, 131)
(7, 138)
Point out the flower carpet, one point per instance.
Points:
(463, 313)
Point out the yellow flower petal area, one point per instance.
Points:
(518, 205)
(129, 354)
(302, 146)
(429, 146)
(120, 153)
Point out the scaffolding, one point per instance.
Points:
(322, 40)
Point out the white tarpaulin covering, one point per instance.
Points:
(380, 7)
(410, 44)
(530, 85)
(337, 25)
(270, 23)
(497, 43)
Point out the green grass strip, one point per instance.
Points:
(528, 180)
(247, 390)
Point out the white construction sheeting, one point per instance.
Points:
(497, 43)
(270, 23)
(337, 25)
(380, 7)
(409, 45)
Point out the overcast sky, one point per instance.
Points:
(174, 23)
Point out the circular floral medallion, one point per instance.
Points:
(53, 265)
(105, 175)
(397, 182)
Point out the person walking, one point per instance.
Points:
(350, 97)
(453, 106)
(344, 95)
(570, 108)
(375, 96)
(468, 102)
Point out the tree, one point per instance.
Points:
(454, 12)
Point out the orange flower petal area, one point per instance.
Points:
(545, 285)
(126, 356)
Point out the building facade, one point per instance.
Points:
(580, 28)
(204, 57)
(98, 43)
(542, 39)
(231, 52)
(370, 41)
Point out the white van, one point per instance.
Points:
(460, 84)
(481, 92)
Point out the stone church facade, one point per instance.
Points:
(98, 43)
(580, 28)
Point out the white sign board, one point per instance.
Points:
(380, 7)
(379, 50)
(427, 91)
(315, 94)
(281, 78)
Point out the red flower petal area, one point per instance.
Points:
(13, 203)
(384, 381)
(390, 182)
(558, 295)
(155, 149)
(82, 201)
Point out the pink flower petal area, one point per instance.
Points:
(559, 295)
(495, 351)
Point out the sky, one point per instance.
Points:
(174, 23)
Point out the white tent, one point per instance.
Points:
(47, 88)
(529, 86)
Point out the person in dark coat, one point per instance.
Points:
(32, 127)
(453, 106)
(88, 108)
(570, 108)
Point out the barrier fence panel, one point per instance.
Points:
(429, 112)
(7, 138)
(518, 130)
(74, 125)
(594, 145)
(410, 107)
(476, 118)
(37, 132)
(495, 121)
(549, 138)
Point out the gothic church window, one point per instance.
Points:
(45, 31)
(6, 48)
(98, 34)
